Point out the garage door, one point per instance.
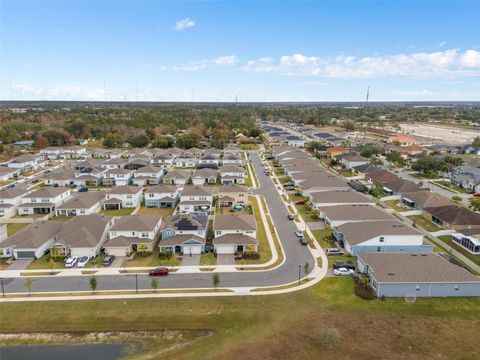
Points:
(116, 251)
(25, 254)
(225, 249)
(192, 249)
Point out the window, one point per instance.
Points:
(382, 239)
(417, 288)
(379, 249)
(455, 288)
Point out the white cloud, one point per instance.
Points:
(222, 61)
(449, 63)
(184, 24)
(471, 58)
(225, 60)
(442, 44)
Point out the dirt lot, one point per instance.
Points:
(452, 136)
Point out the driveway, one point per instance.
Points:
(225, 259)
(316, 225)
(193, 260)
(20, 264)
(118, 261)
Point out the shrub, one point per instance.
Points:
(326, 338)
(456, 198)
(251, 256)
(362, 288)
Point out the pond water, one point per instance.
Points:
(70, 352)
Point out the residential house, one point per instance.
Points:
(31, 242)
(469, 239)
(417, 275)
(296, 141)
(61, 177)
(335, 151)
(83, 203)
(339, 197)
(147, 175)
(163, 161)
(26, 163)
(134, 233)
(7, 173)
(118, 177)
(380, 236)
(88, 173)
(44, 200)
(162, 196)
(82, 236)
(467, 177)
(10, 199)
(123, 197)
(232, 159)
(310, 182)
(195, 199)
(230, 174)
(205, 176)
(113, 163)
(424, 198)
(337, 215)
(186, 160)
(232, 195)
(235, 233)
(211, 161)
(177, 177)
(137, 162)
(351, 161)
(452, 217)
(184, 234)
(399, 187)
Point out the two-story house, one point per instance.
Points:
(232, 195)
(235, 234)
(118, 177)
(177, 177)
(43, 201)
(232, 159)
(147, 175)
(209, 161)
(231, 174)
(123, 197)
(184, 234)
(196, 199)
(9, 200)
(162, 196)
(204, 176)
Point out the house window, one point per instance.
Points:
(455, 288)
(417, 288)
(382, 239)
(379, 249)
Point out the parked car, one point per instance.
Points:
(108, 260)
(83, 261)
(298, 233)
(343, 272)
(300, 202)
(291, 217)
(477, 194)
(346, 265)
(334, 251)
(10, 186)
(160, 271)
(288, 184)
(290, 188)
(71, 261)
(303, 241)
(298, 193)
(267, 173)
(34, 181)
(83, 189)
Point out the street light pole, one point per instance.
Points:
(299, 271)
(3, 290)
(136, 283)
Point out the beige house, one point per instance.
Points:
(232, 195)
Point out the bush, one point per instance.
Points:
(456, 198)
(326, 338)
(165, 255)
(362, 288)
(251, 256)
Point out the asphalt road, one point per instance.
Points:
(296, 255)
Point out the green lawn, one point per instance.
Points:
(249, 146)
(152, 211)
(61, 218)
(151, 260)
(121, 212)
(450, 186)
(347, 174)
(324, 237)
(448, 240)
(424, 223)
(208, 259)
(394, 205)
(44, 263)
(303, 210)
(325, 321)
(13, 228)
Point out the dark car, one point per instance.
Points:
(108, 260)
(303, 241)
(34, 181)
(300, 202)
(83, 189)
(290, 188)
(291, 217)
(346, 265)
(288, 184)
(160, 271)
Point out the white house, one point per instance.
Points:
(231, 159)
(9, 200)
(7, 173)
(113, 163)
(31, 242)
(186, 160)
(234, 233)
(83, 235)
(184, 234)
(339, 197)
(293, 140)
(231, 174)
(204, 176)
(118, 177)
(209, 161)
(133, 233)
(177, 177)
(195, 199)
(27, 163)
(61, 177)
(164, 161)
(162, 196)
(380, 236)
(337, 215)
(123, 197)
(147, 175)
(44, 200)
(83, 203)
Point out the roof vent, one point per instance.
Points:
(390, 274)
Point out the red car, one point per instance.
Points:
(161, 271)
(300, 202)
(477, 194)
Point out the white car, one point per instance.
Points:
(71, 261)
(298, 233)
(343, 272)
(83, 261)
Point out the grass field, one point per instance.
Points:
(13, 228)
(424, 223)
(151, 260)
(249, 146)
(448, 240)
(208, 259)
(325, 321)
(394, 205)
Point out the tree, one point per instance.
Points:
(113, 139)
(476, 141)
(154, 285)
(163, 142)
(51, 264)
(41, 142)
(215, 280)
(306, 268)
(138, 141)
(475, 204)
(395, 158)
(93, 284)
(29, 286)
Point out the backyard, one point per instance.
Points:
(152, 211)
(448, 240)
(426, 224)
(120, 212)
(15, 227)
(394, 205)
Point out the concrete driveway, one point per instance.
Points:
(20, 264)
(193, 260)
(118, 261)
(225, 259)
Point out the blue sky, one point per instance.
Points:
(258, 50)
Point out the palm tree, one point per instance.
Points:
(215, 280)
(29, 286)
(154, 285)
(93, 283)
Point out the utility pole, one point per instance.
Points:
(299, 273)
(3, 289)
(136, 283)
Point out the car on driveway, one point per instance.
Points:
(298, 233)
(343, 272)
(346, 265)
(71, 261)
(300, 202)
(303, 241)
(160, 271)
(334, 251)
(108, 260)
(83, 261)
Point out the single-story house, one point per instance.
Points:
(85, 203)
(339, 197)
(452, 217)
(61, 177)
(337, 215)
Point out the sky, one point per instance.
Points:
(252, 50)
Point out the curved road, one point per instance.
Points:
(295, 255)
